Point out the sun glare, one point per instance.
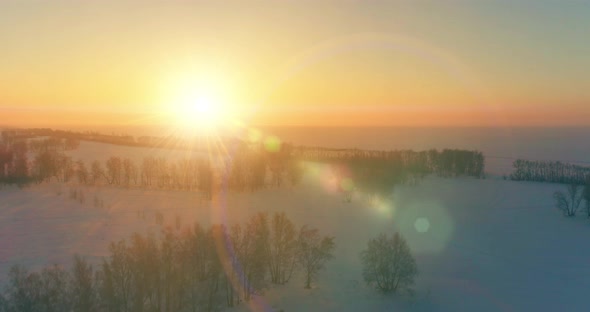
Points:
(199, 111)
(197, 105)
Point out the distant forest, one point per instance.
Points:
(446, 163)
(247, 166)
(549, 171)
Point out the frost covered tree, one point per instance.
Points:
(96, 171)
(114, 171)
(54, 295)
(570, 202)
(19, 169)
(129, 172)
(82, 172)
(388, 264)
(282, 249)
(23, 292)
(6, 156)
(45, 291)
(313, 252)
(116, 278)
(205, 178)
(81, 286)
(255, 245)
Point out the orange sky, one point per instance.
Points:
(296, 63)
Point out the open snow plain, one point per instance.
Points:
(480, 245)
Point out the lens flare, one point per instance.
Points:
(272, 144)
(422, 225)
(427, 225)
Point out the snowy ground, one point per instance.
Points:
(481, 245)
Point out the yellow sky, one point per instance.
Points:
(304, 63)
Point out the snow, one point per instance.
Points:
(489, 245)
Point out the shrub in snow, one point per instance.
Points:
(388, 264)
(313, 252)
(33, 291)
(570, 202)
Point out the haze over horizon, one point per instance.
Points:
(294, 155)
(334, 63)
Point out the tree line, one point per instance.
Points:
(376, 173)
(197, 269)
(446, 163)
(549, 171)
(53, 143)
(249, 168)
(50, 159)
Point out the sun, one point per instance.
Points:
(200, 111)
(198, 106)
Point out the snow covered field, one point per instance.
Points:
(480, 245)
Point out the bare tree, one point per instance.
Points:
(233, 283)
(19, 170)
(147, 171)
(205, 178)
(129, 172)
(82, 172)
(213, 266)
(145, 257)
(295, 171)
(237, 171)
(388, 264)
(256, 171)
(114, 167)
(71, 144)
(3, 304)
(570, 202)
(313, 252)
(282, 250)
(118, 278)
(6, 156)
(96, 171)
(255, 249)
(82, 288)
(45, 165)
(162, 174)
(45, 291)
(23, 292)
(54, 291)
(67, 168)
